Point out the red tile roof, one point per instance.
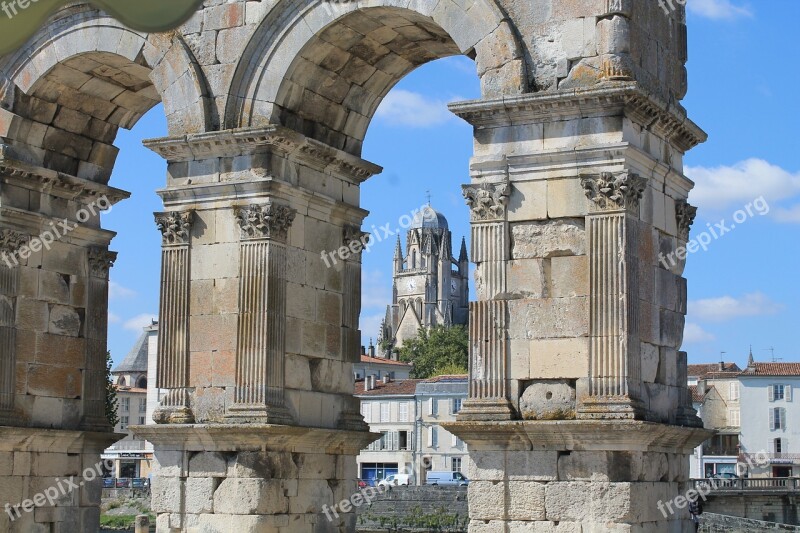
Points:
(772, 369)
(393, 388)
(381, 360)
(696, 396)
(701, 371)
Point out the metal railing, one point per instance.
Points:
(774, 484)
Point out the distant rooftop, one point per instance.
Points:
(703, 371)
(382, 361)
(136, 360)
(772, 369)
(402, 387)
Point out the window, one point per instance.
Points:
(383, 444)
(126, 404)
(777, 418)
(365, 412)
(455, 464)
(141, 420)
(433, 438)
(734, 390)
(403, 411)
(776, 393)
(142, 405)
(433, 407)
(777, 446)
(123, 423)
(404, 440)
(384, 411)
(733, 417)
(455, 406)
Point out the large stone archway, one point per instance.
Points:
(578, 416)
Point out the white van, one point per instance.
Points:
(446, 478)
(395, 480)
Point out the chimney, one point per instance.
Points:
(386, 379)
(367, 383)
(363, 350)
(722, 366)
(374, 381)
(371, 349)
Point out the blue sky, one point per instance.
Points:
(742, 91)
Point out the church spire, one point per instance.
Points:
(462, 257)
(750, 360)
(398, 256)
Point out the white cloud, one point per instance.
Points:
(376, 290)
(407, 108)
(117, 291)
(693, 333)
(792, 214)
(727, 307)
(717, 9)
(139, 321)
(113, 318)
(735, 186)
(370, 327)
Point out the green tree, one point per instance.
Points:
(437, 351)
(111, 394)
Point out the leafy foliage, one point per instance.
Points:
(111, 394)
(437, 351)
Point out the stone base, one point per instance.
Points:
(51, 479)
(253, 478)
(474, 410)
(611, 408)
(173, 415)
(577, 476)
(259, 414)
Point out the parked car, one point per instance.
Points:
(140, 483)
(446, 478)
(395, 480)
(123, 483)
(108, 482)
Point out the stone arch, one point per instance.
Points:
(69, 90)
(354, 54)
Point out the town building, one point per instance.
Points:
(770, 418)
(408, 414)
(715, 393)
(373, 364)
(430, 287)
(133, 456)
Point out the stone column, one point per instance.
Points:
(488, 389)
(10, 243)
(173, 335)
(100, 260)
(261, 348)
(614, 359)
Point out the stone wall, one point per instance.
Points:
(420, 508)
(782, 508)
(719, 523)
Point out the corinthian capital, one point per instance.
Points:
(100, 262)
(265, 221)
(684, 214)
(487, 202)
(11, 241)
(175, 226)
(614, 191)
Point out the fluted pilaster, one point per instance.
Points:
(261, 344)
(173, 337)
(614, 359)
(488, 346)
(10, 242)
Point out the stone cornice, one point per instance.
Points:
(246, 141)
(668, 121)
(234, 437)
(59, 184)
(35, 223)
(578, 435)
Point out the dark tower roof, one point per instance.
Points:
(136, 360)
(428, 217)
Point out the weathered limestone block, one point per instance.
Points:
(548, 239)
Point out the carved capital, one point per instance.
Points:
(614, 191)
(265, 221)
(100, 262)
(684, 214)
(352, 233)
(175, 226)
(11, 241)
(487, 202)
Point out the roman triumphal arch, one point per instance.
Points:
(578, 417)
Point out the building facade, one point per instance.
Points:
(430, 287)
(408, 414)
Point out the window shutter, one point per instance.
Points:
(452, 406)
(430, 406)
(787, 393)
(783, 418)
(410, 440)
(430, 437)
(435, 437)
(771, 390)
(771, 418)
(455, 441)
